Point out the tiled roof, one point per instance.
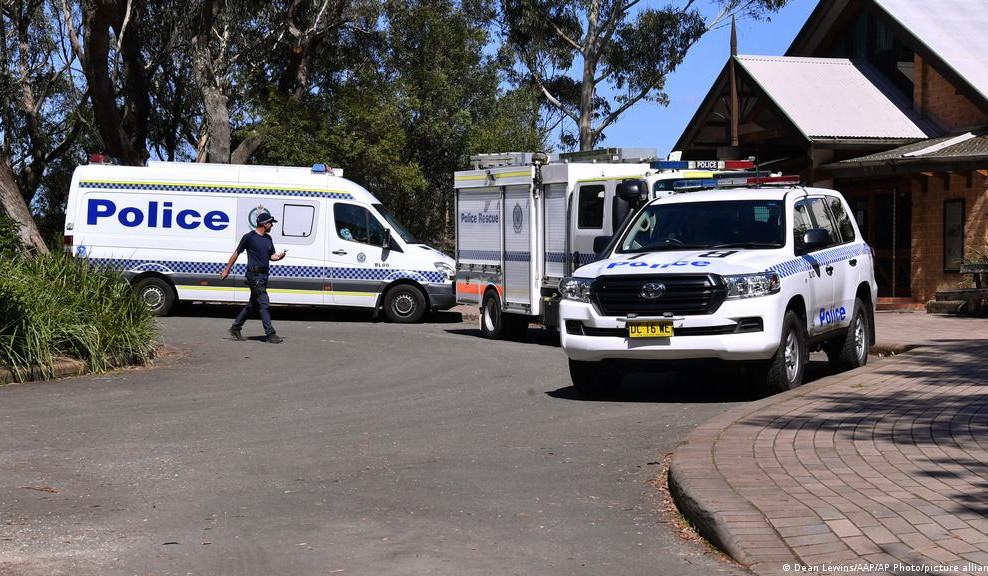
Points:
(956, 147)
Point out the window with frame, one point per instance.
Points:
(953, 235)
(842, 218)
(357, 224)
(590, 211)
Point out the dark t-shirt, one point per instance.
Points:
(259, 249)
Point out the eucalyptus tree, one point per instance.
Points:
(571, 49)
(40, 101)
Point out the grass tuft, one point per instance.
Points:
(55, 306)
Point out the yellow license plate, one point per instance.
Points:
(655, 329)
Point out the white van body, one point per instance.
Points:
(521, 228)
(171, 227)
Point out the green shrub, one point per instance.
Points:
(10, 238)
(55, 305)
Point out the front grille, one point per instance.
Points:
(691, 294)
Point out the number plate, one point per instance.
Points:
(655, 329)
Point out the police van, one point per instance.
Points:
(171, 227)
(524, 221)
(758, 275)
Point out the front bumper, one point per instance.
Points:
(441, 296)
(605, 337)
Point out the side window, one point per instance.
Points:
(351, 222)
(800, 223)
(375, 230)
(297, 220)
(590, 213)
(822, 219)
(843, 219)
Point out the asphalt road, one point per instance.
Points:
(354, 447)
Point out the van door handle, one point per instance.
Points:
(853, 261)
(830, 270)
(339, 252)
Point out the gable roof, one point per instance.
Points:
(954, 30)
(835, 98)
(949, 33)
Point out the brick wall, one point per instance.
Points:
(927, 227)
(937, 99)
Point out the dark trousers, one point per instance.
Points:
(259, 303)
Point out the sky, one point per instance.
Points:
(648, 125)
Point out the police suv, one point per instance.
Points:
(759, 274)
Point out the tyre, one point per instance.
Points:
(851, 351)
(157, 294)
(785, 369)
(491, 324)
(590, 379)
(404, 304)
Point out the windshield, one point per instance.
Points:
(396, 227)
(722, 224)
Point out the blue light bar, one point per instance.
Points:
(695, 183)
(669, 165)
(319, 169)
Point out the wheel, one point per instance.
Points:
(491, 326)
(157, 294)
(404, 304)
(495, 325)
(785, 370)
(590, 380)
(851, 351)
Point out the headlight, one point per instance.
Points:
(446, 269)
(752, 285)
(577, 289)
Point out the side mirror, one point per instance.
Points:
(387, 239)
(601, 242)
(633, 191)
(815, 238)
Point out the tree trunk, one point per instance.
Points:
(214, 101)
(13, 205)
(587, 87)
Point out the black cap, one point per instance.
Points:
(264, 218)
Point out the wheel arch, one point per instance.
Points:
(864, 294)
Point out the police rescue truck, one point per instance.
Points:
(523, 223)
(757, 275)
(170, 228)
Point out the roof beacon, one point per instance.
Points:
(777, 180)
(322, 169)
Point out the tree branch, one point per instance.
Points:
(614, 115)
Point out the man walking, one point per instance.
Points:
(260, 250)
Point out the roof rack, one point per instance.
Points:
(609, 155)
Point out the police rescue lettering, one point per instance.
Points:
(156, 215)
(481, 218)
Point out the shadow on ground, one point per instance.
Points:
(305, 313)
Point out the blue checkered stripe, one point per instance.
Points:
(212, 268)
(165, 266)
(563, 257)
(491, 255)
(517, 256)
(386, 275)
(309, 193)
(556, 257)
(827, 257)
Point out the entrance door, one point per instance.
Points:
(883, 212)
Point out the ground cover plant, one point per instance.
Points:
(54, 306)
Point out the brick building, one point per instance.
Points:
(886, 101)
